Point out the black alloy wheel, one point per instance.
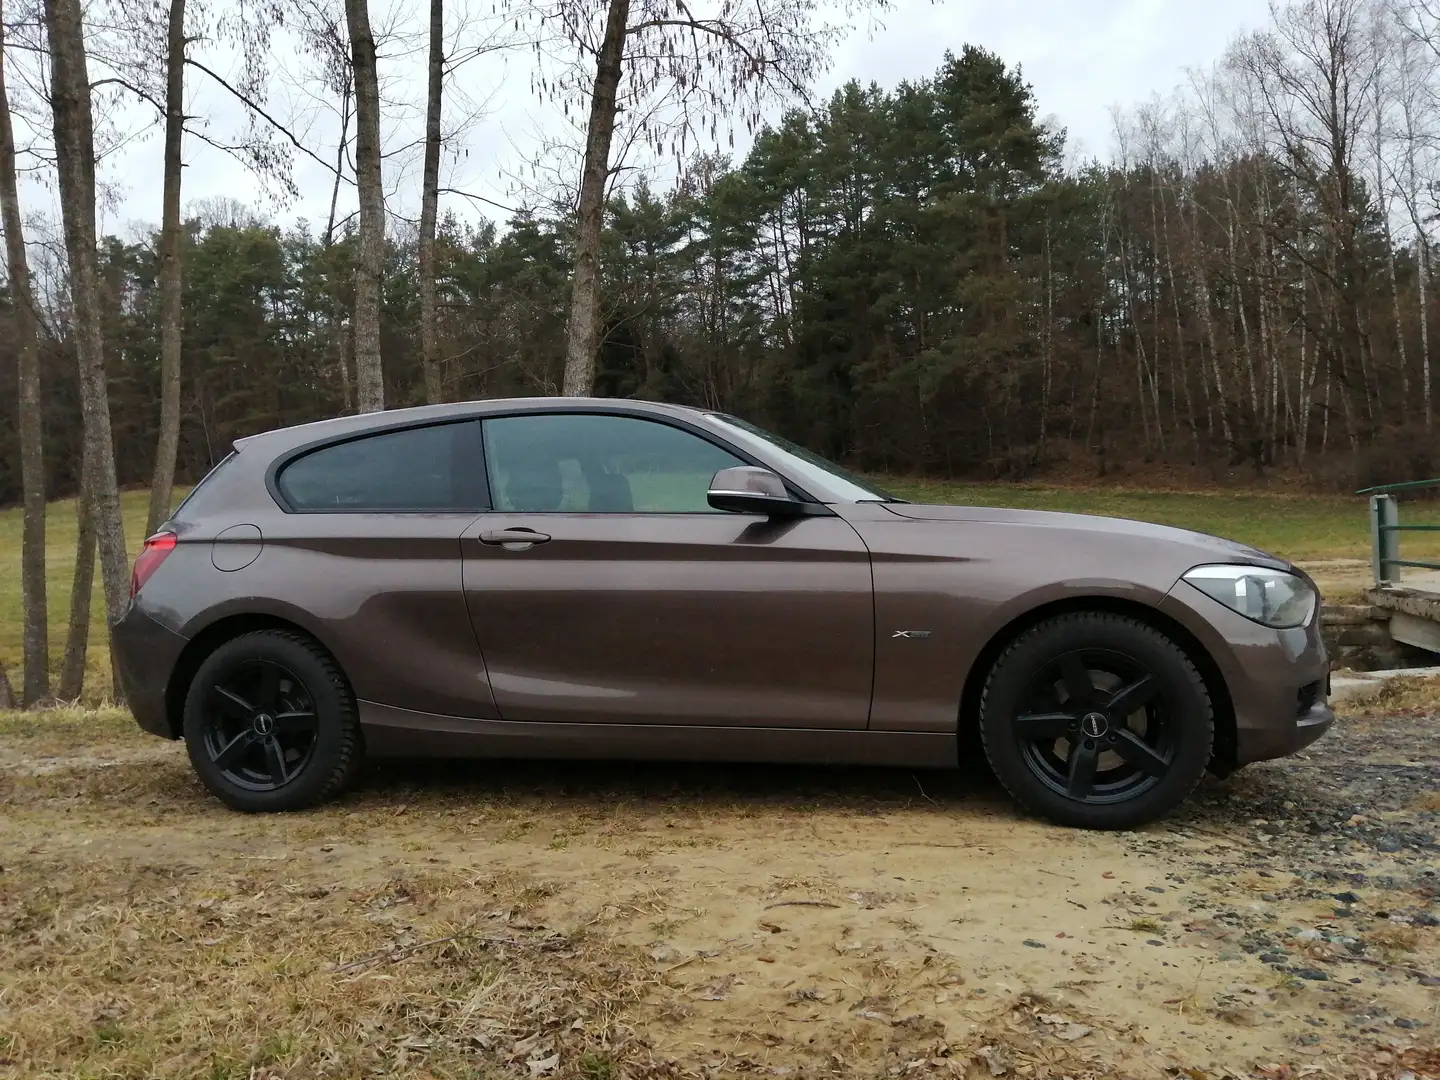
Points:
(1097, 720)
(262, 725)
(1095, 728)
(271, 724)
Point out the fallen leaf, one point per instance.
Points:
(1108, 874)
(544, 1065)
(719, 990)
(992, 1057)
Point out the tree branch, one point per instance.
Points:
(143, 95)
(254, 107)
(478, 198)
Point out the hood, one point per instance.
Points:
(1092, 528)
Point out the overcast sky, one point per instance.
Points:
(1081, 56)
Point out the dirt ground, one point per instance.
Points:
(603, 921)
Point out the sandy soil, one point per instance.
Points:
(695, 921)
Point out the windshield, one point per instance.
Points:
(803, 464)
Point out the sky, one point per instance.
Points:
(1082, 57)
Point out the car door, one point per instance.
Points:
(604, 589)
(371, 535)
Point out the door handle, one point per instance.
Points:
(517, 538)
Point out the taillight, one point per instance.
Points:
(150, 558)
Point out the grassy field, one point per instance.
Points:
(1300, 527)
(1306, 528)
(59, 573)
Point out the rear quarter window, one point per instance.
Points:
(434, 468)
(204, 480)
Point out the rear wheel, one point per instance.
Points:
(1097, 720)
(270, 723)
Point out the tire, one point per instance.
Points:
(270, 724)
(1097, 721)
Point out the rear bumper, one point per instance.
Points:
(145, 655)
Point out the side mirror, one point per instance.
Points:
(747, 489)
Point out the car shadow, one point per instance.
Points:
(684, 783)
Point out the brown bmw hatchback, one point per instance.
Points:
(588, 578)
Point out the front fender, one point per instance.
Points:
(954, 585)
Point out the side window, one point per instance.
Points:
(581, 463)
(435, 468)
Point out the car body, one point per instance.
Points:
(474, 608)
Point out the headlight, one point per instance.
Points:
(1270, 597)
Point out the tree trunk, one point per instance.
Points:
(162, 484)
(429, 206)
(82, 582)
(337, 327)
(1424, 275)
(7, 696)
(582, 332)
(369, 374)
(1383, 198)
(35, 685)
(75, 168)
(339, 160)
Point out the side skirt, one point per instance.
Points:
(392, 732)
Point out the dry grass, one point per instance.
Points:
(565, 922)
(150, 934)
(1405, 695)
(125, 967)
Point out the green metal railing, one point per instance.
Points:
(1385, 530)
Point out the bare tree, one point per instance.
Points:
(1417, 61)
(73, 124)
(369, 373)
(171, 273)
(722, 61)
(35, 686)
(430, 204)
(582, 331)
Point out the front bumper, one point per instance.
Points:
(1280, 740)
(1278, 680)
(145, 655)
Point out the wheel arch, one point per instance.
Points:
(1224, 754)
(210, 638)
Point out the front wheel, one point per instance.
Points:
(270, 723)
(1097, 721)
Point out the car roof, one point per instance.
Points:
(279, 440)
